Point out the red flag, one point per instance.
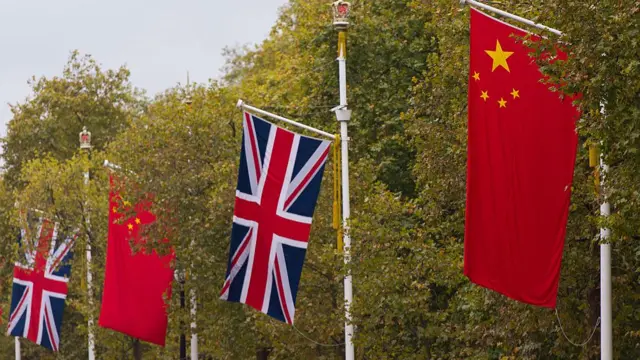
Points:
(135, 285)
(522, 144)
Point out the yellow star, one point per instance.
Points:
(502, 102)
(130, 226)
(515, 93)
(499, 57)
(485, 95)
(126, 203)
(138, 221)
(476, 75)
(114, 209)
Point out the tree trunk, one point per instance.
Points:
(183, 338)
(137, 350)
(263, 354)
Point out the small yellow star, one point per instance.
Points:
(476, 75)
(515, 93)
(499, 57)
(485, 95)
(138, 221)
(130, 226)
(114, 209)
(502, 102)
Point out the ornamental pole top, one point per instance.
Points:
(85, 138)
(187, 99)
(341, 10)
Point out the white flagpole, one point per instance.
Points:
(193, 299)
(606, 328)
(341, 23)
(17, 342)
(85, 144)
(194, 309)
(194, 335)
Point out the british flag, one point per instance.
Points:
(278, 186)
(40, 285)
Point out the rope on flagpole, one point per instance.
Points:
(313, 341)
(569, 340)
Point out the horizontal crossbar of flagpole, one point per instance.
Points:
(111, 165)
(243, 106)
(510, 16)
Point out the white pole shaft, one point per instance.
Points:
(194, 309)
(342, 73)
(606, 328)
(511, 16)
(194, 335)
(91, 339)
(18, 355)
(346, 212)
(244, 106)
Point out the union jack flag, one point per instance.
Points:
(40, 285)
(278, 186)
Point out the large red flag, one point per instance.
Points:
(135, 285)
(521, 154)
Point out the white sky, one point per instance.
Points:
(158, 40)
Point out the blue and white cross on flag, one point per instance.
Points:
(40, 286)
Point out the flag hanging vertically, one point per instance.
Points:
(522, 144)
(40, 284)
(135, 284)
(278, 185)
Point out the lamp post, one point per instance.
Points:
(188, 101)
(606, 320)
(85, 144)
(341, 10)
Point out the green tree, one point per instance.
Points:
(57, 190)
(408, 72)
(49, 120)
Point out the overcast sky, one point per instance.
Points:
(158, 40)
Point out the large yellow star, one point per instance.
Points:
(476, 75)
(499, 57)
(138, 221)
(515, 93)
(130, 226)
(484, 95)
(502, 102)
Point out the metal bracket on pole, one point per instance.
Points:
(339, 107)
(343, 115)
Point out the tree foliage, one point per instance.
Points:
(48, 122)
(408, 69)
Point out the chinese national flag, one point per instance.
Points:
(135, 285)
(522, 144)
